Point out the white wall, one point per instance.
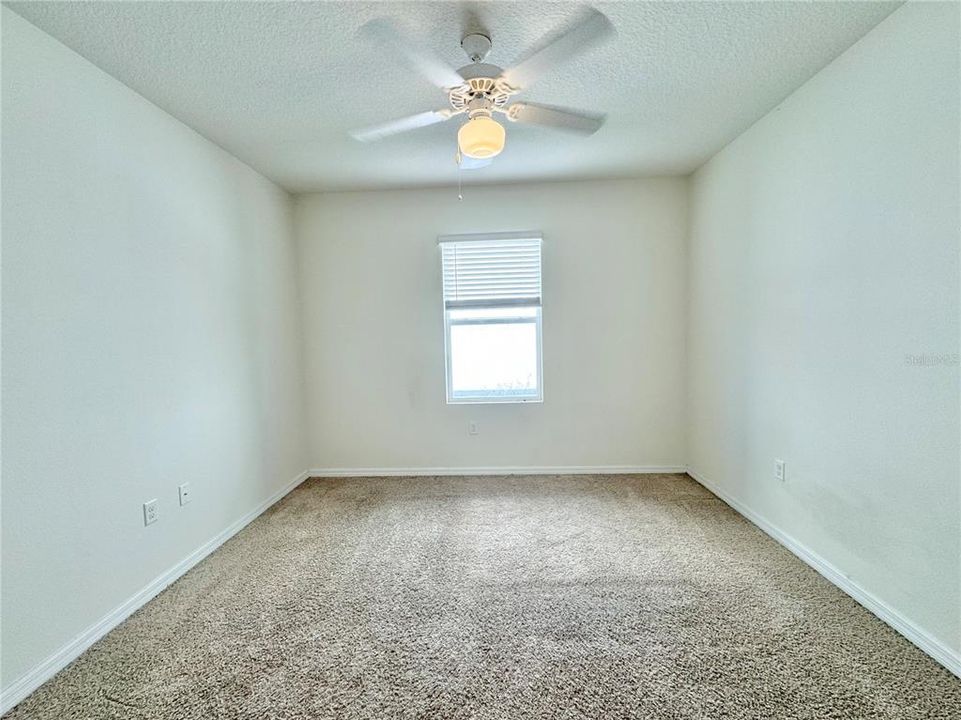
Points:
(613, 333)
(150, 337)
(824, 254)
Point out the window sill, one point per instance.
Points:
(494, 401)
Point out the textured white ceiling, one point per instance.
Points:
(279, 84)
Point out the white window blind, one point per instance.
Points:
(492, 270)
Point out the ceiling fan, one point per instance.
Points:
(480, 90)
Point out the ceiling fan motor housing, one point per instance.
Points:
(480, 81)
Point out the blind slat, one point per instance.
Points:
(492, 272)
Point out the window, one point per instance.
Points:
(492, 317)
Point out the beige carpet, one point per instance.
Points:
(501, 597)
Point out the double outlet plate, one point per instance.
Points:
(779, 470)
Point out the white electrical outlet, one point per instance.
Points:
(471, 428)
(779, 470)
(184, 493)
(150, 513)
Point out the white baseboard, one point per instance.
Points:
(505, 470)
(47, 668)
(930, 645)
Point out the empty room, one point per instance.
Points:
(495, 360)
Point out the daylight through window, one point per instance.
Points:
(492, 317)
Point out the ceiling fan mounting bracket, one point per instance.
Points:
(476, 46)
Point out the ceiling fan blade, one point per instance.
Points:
(561, 118)
(591, 31)
(388, 35)
(392, 127)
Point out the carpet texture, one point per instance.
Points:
(500, 597)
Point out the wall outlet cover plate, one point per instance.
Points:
(150, 513)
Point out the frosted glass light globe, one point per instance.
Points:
(481, 137)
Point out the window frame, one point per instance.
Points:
(537, 320)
